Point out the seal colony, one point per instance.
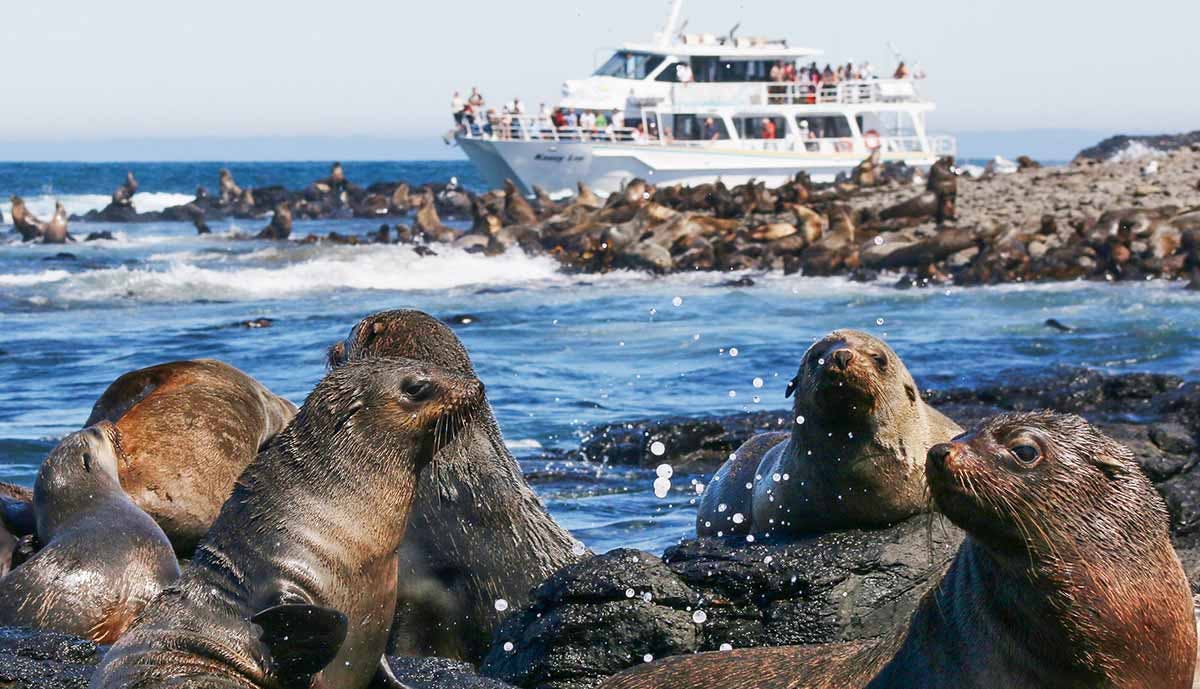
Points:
(855, 456)
(386, 515)
(1067, 579)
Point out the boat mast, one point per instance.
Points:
(664, 40)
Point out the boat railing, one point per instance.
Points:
(542, 129)
(841, 93)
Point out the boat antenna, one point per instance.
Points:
(734, 30)
(895, 53)
(668, 32)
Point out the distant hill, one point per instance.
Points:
(1117, 146)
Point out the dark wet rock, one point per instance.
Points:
(61, 256)
(740, 282)
(45, 660)
(32, 659)
(440, 673)
(93, 236)
(1058, 325)
(422, 250)
(606, 614)
(691, 443)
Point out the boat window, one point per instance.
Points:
(627, 65)
(757, 127)
(711, 69)
(823, 126)
(673, 72)
(699, 127)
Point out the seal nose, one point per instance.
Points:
(943, 455)
(842, 358)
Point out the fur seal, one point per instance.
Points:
(295, 584)
(25, 223)
(188, 428)
(855, 455)
(17, 521)
(477, 531)
(280, 226)
(230, 192)
(1067, 579)
(55, 231)
(103, 558)
(123, 196)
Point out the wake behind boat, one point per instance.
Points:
(691, 108)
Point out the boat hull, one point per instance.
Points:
(557, 166)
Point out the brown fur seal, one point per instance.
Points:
(123, 196)
(17, 521)
(295, 584)
(229, 190)
(1067, 579)
(55, 231)
(280, 226)
(188, 428)
(103, 558)
(25, 223)
(478, 533)
(855, 455)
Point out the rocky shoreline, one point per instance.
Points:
(1120, 219)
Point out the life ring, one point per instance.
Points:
(871, 139)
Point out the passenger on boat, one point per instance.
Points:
(768, 128)
(476, 99)
(901, 71)
(618, 119)
(683, 73)
(457, 104)
(572, 119)
(866, 70)
(789, 71)
(776, 73)
(558, 118)
(601, 120)
(828, 76)
(639, 134)
(710, 129)
(543, 113)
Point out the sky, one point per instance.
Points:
(128, 70)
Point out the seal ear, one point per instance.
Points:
(302, 639)
(1112, 459)
(791, 387)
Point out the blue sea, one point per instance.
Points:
(559, 352)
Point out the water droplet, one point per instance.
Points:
(578, 549)
(749, 538)
(738, 518)
(879, 240)
(677, 301)
(878, 321)
(756, 399)
(800, 419)
(726, 647)
(768, 560)
(722, 507)
(657, 448)
(508, 647)
(699, 488)
(733, 351)
(662, 487)
(501, 605)
(647, 596)
(629, 593)
(649, 658)
(757, 382)
(733, 393)
(664, 470)
(776, 477)
(749, 485)
(699, 617)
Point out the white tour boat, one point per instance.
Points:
(694, 108)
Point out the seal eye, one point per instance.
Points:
(87, 462)
(1026, 454)
(417, 389)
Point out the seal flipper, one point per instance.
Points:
(384, 677)
(302, 639)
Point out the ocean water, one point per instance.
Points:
(559, 352)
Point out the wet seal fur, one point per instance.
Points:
(478, 533)
(103, 558)
(1067, 579)
(188, 429)
(295, 584)
(855, 455)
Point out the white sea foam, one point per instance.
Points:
(42, 205)
(331, 268)
(1136, 150)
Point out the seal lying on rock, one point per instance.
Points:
(188, 428)
(1067, 579)
(295, 584)
(854, 456)
(478, 533)
(103, 558)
